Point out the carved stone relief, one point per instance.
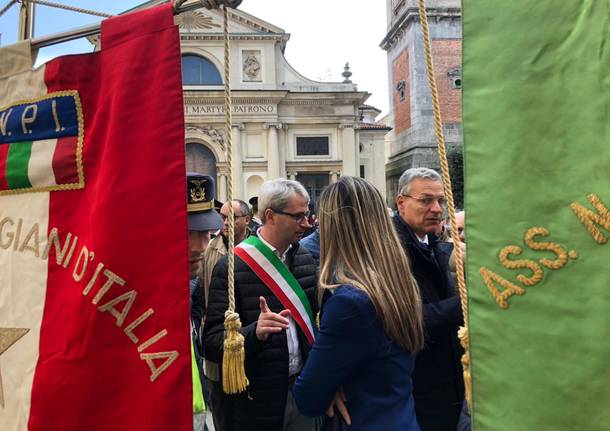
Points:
(216, 136)
(252, 65)
(195, 20)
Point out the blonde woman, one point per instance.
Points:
(371, 320)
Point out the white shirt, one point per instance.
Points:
(424, 239)
(295, 362)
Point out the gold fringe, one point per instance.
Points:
(463, 336)
(234, 378)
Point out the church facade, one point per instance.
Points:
(284, 125)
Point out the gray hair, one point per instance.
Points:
(243, 207)
(275, 194)
(412, 174)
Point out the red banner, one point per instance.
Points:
(114, 350)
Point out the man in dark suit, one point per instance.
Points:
(275, 344)
(438, 385)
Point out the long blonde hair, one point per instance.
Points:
(359, 246)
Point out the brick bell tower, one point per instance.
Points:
(412, 141)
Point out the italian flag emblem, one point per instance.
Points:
(41, 144)
(276, 276)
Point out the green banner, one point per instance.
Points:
(536, 118)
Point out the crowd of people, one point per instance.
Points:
(349, 317)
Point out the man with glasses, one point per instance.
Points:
(276, 337)
(438, 385)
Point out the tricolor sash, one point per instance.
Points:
(276, 276)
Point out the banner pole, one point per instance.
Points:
(26, 20)
(89, 30)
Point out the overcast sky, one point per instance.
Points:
(325, 34)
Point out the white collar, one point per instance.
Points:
(273, 249)
(424, 239)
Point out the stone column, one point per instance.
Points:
(273, 152)
(377, 165)
(237, 161)
(334, 176)
(348, 149)
(357, 150)
(222, 187)
(292, 176)
(283, 145)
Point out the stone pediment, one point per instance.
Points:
(204, 20)
(211, 21)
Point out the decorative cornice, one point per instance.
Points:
(216, 100)
(215, 135)
(412, 15)
(322, 165)
(254, 165)
(249, 22)
(220, 37)
(307, 102)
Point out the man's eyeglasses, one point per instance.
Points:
(428, 201)
(224, 217)
(299, 218)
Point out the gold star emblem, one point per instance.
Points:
(8, 337)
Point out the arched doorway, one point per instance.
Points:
(253, 186)
(201, 159)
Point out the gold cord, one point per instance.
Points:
(442, 155)
(229, 146)
(233, 377)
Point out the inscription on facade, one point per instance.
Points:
(237, 109)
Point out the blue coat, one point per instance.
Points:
(352, 350)
(312, 244)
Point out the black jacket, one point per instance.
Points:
(438, 385)
(262, 406)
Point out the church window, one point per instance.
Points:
(455, 76)
(312, 146)
(198, 70)
(401, 87)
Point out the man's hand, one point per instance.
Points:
(270, 322)
(339, 402)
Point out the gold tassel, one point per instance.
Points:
(234, 378)
(463, 336)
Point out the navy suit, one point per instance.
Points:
(352, 350)
(438, 385)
